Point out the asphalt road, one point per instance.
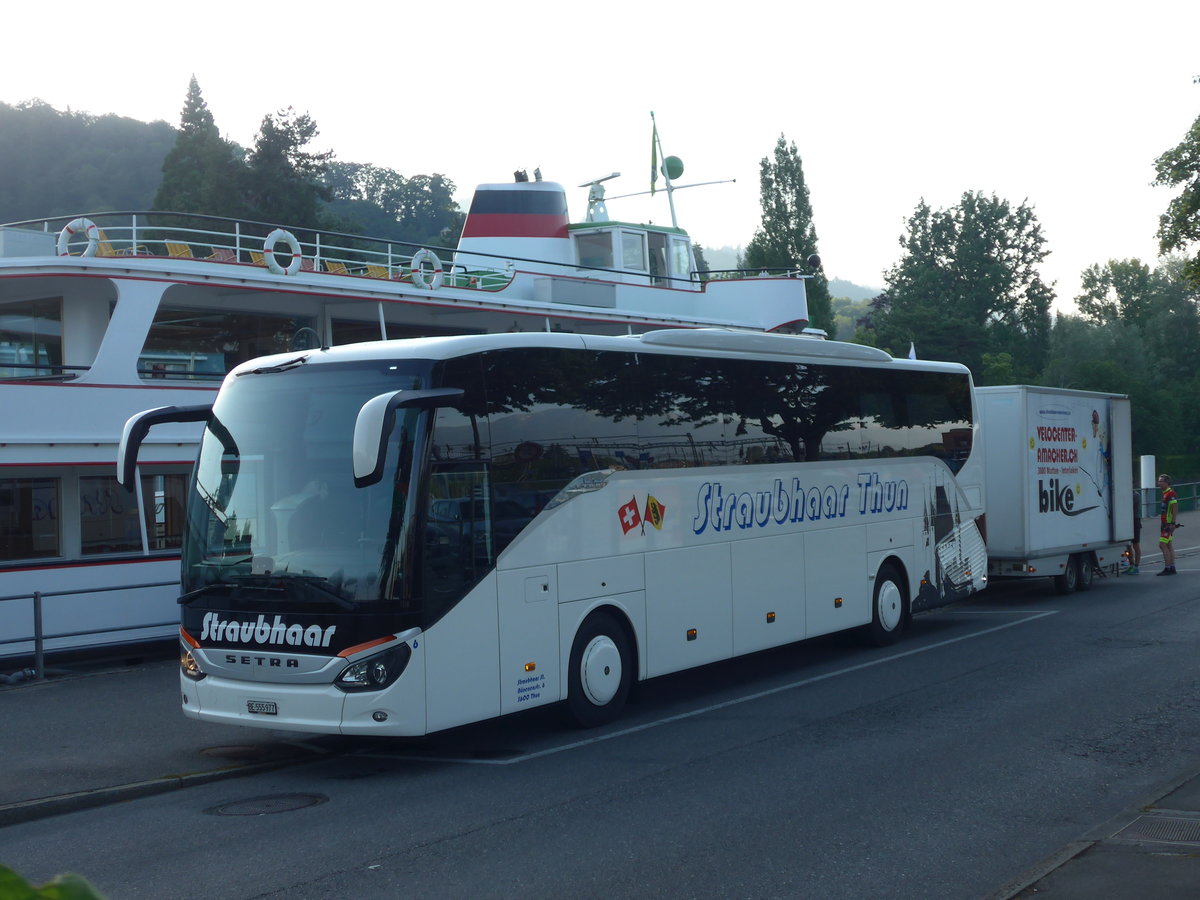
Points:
(997, 732)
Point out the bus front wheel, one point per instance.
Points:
(889, 608)
(601, 673)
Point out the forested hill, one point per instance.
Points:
(60, 163)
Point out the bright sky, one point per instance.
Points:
(1065, 105)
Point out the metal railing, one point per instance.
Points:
(39, 636)
(1150, 499)
(241, 242)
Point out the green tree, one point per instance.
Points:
(65, 163)
(1179, 226)
(1119, 292)
(283, 183)
(968, 284)
(202, 171)
(787, 236)
(383, 203)
(1139, 334)
(1088, 355)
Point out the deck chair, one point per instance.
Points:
(336, 268)
(308, 264)
(178, 249)
(222, 254)
(104, 247)
(376, 272)
(256, 258)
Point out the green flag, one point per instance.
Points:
(653, 156)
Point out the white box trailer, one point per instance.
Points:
(1058, 480)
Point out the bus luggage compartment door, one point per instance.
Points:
(528, 608)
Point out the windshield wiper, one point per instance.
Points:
(208, 588)
(282, 367)
(307, 587)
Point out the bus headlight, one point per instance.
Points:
(188, 664)
(375, 672)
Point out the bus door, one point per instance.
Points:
(457, 547)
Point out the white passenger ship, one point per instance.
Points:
(105, 315)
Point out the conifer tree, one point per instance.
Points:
(284, 183)
(201, 172)
(787, 237)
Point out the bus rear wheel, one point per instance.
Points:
(601, 670)
(889, 608)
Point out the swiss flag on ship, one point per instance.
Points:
(629, 516)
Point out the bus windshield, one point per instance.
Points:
(274, 517)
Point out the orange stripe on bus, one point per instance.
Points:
(350, 651)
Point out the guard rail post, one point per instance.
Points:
(38, 660)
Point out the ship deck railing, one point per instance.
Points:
(230, 242)
(241, 242)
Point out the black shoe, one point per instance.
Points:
(1165, 572)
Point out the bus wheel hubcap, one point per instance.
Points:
(891, 603)
(600, 670)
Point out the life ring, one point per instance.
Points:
(419, 278)
(269, 252)
(73, 228)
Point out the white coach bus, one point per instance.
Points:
(399, 537)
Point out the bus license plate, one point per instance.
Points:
(262, 707)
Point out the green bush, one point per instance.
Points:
(63, 887)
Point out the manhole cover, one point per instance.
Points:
(265, 806)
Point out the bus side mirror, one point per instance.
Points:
(136, 428)
(376, 421)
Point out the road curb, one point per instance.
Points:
(60, 804)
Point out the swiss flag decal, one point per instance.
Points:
(629, 516)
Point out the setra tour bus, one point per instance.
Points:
(399, 537)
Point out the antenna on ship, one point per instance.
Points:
(672, 167)
(597, 211)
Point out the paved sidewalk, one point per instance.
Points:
(90, 738)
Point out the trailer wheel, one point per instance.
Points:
(1068, 581)
(1084, 580)
(601, 672)
(889, 608)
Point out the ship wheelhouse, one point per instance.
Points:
(636, 254)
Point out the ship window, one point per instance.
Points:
(595, 249)
(108, 517)
(204, 344)
(349, 331)
(681, 259)
(30, 338)
(164, 497)
(633, 251)
(29, 526)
